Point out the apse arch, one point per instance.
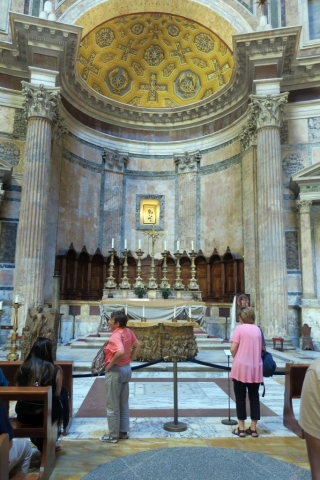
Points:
(217, 16)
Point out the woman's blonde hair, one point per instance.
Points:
(247, 315)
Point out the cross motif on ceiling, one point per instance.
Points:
(153, 88)
(127, 50)
(155, 31)
(180, 52)
(88, 66)
(218, 72)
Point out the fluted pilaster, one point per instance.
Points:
(306, 248)
(271, 233)
(187, 169)
(41, 109)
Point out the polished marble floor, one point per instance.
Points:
(82, 451)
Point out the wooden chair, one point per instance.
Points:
(9, 369)
(295, 374)
(4, 456)
(48, 431)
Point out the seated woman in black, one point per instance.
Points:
(38, 369)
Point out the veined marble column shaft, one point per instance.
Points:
(271, 233)
(306, 249)
(40, 107)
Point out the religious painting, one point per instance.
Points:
(243, 301)
(149, 214)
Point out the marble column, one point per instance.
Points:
(41, 110)
(306, 249)
(270, 229)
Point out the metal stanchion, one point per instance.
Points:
(228, 421)
(175, 426)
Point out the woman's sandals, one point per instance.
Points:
(253, 433)
(239, 433)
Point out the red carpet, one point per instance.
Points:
(94, 404)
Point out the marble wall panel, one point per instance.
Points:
(298, 131)
(292, 13)
(294, 325)
(294, 286)
(315, 225)
(314, 129)
(315, 155)
(10, 205)
(155, 165)
(222, 152)
(311, 316)
(85, 150)
(187, 210)
(293, 160)
(292, 250)
(6, 276)
(150, 186)
(7, 119)
(221, 211)
(79, 207)
(111, 211)
(8, 239)
(12, 152)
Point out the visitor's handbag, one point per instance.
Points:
(269, 365)
(97, 365)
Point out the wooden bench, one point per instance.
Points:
(4, 456)
(9, 369)
(294, 378)
(48, 430)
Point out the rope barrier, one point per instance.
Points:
(154, 362)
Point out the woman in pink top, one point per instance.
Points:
(246, 370)
(122, 347)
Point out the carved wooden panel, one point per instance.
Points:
(185, 264)
(201, 276)
(96, 279)
(83, 275)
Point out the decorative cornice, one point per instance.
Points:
(269, 109)
(115, 161)
(40, 102)
(188, 162)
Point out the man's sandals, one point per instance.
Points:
(239, 433)
(253, 433)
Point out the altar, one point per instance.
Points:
(158, 340)
(154, 309)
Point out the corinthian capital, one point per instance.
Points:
(303, 206)
(115, 161)
(188, 162)
(248, 136)
(40, 102)
(269, 109)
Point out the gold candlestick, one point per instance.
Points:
(110, 283)
(178, 285)
(125, 282)
(13, 356)
(139, 280)
(193, 284)
(164, 281)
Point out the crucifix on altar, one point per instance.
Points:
(153, 234)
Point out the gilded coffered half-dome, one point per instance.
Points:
(154, 60)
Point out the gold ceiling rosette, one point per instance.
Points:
(154, 60)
